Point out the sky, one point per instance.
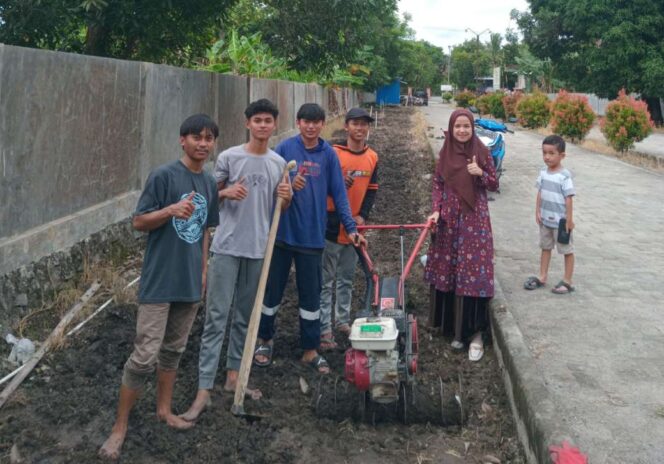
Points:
(443, 22)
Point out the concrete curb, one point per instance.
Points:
(533, 409)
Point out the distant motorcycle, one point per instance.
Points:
(491, 132)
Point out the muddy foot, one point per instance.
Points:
(199, 405)
(251, 393)
(176, 422)
(111, 448)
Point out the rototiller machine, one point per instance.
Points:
(381, 364)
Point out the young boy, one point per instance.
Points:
(359, 164)
(248, 177)
(178, 205)
(301, 235)
(554, 202)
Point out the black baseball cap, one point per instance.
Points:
(358, 113)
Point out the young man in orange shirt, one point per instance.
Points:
(359, 165)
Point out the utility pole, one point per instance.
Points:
(477, 34)
(449, 63)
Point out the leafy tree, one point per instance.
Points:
(173, 31)
(600, 46)
(542, 72)
(469, 60)
(422, 64)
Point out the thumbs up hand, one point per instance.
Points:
(184, 208)
(238, 191)
(473, 168)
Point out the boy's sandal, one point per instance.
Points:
(533, 283)
(344, 328)
(266, 350)
(475, 351)
(457, 345)
(319, 364)
(327, 342)
(562, 288)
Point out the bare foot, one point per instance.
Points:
(251, 393)
(201, 402)
(175, 422)
(111, 448)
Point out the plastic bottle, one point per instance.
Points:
(22, 350)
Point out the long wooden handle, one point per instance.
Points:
(252, 330)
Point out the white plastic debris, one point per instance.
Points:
(22, 350)
(423, 260)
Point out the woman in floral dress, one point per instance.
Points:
(460, 259)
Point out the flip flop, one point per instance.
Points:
(475, 352)
(562, 288)
(327, 342)
(456, 345)
(264, 349)
(318, 363)
(344, 328)
(533, 283)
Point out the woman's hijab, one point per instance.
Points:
(454, 158)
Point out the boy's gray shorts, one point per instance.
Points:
(548, 238)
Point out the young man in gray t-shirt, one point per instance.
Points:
(250, 177)
(177, 206)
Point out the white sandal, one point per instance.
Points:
(476, 351)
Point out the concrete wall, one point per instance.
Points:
(79, 135)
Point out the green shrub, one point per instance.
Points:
(482, 104)
(571, 115)
(465, 99)
(491, 103)
(627, 121)
(509, 104)
(447, 96)
(533, 110)
(496, 105)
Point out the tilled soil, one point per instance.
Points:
(64, 411)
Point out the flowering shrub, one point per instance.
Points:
(571, 115)
(627, 121)
(533, 110)
(447, 96)
(509, 104)
(465, 99)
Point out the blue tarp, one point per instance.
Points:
(389, 94)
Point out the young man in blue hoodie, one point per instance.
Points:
(301, 235)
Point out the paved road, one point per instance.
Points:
(593, 361)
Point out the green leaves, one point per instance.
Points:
(599, 46)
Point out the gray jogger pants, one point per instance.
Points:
(339, 263)
(231, 283)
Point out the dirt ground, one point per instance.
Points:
(64, 411)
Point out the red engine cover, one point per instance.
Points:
(357, 369)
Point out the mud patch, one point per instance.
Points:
(64, 411)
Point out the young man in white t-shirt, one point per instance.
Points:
(249, 178)
(555, 192)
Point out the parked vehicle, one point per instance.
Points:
(418, 98)
(491, 132)
(422, 96)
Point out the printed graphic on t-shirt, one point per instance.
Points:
(254, 180)
(309, 168)
(358, 173)
(191, 230)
